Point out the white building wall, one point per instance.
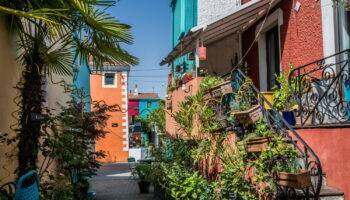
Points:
(211, 9)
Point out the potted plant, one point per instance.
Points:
(185, 78)
(245, 110)
(178, 82)
(290, 175)
(143, 170)
(208, 86)
(242, 114)
(190, 76)
(283, 99)
(171, 87)
(260, 138)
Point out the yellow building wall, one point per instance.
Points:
(9, 77)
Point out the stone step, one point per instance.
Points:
(328, 193)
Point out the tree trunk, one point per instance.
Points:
(29, 130)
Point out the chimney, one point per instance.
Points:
(136, 91)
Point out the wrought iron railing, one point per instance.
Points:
(308, 158)
(322, 90)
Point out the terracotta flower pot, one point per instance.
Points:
(257, 144)
(248, 116)
(216, 92)
(299, 180)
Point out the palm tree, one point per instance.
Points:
(45, 33)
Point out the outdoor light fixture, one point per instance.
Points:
(297, 6)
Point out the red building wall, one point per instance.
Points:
(300, 37)
(333, 149)
(301, 42)
(133, 103)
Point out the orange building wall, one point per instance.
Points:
(175, 97)
(115, 143)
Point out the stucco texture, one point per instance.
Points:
(173, 129)
(332, 147)
(210, 9)
(112, 144)
(301, 39)
(10, 73)
(9, 76)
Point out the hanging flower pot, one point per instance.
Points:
(202, 53)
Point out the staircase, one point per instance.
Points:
(310, 161)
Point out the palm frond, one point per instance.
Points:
(99, 21)
(100, 51)
(40, 14)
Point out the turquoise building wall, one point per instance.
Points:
(82, 81)
(184, 17)
(144, 110)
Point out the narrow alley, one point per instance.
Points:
(115, 181)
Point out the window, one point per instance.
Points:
(109, 79)
(149, 104)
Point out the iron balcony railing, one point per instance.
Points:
(322, 90)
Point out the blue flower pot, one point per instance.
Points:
(347, 97)
(289, 117)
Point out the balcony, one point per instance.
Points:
(322, 91)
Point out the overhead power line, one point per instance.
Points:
(145, 70)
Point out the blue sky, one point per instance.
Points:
(151, 28)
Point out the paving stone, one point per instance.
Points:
(115, 182)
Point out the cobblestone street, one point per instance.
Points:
(115, 182)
